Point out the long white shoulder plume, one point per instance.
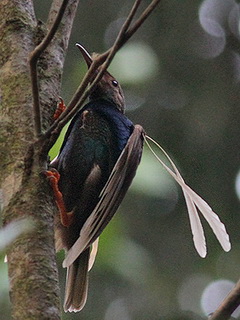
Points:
(194, 203)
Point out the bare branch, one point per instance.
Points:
(101, 60)
(34, 56)
(108, 56)
(80, 95)
(229, 304)
(126, 25)
(117, 44)
(141, 19)
(35, 93)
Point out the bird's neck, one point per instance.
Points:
(105, 101)
(121, 125)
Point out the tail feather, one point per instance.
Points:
(77, 283)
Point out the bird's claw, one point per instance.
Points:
(53, 175)
(66, 217)
(60, 108)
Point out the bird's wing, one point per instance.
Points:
(111, 195)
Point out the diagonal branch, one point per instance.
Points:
(102, 60)
(117, 44)
(123, 36)
(229, 304)
(34, 56)
(80, 97)
(108, 56)
(141, 19)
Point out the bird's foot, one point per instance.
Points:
(66, 217)
(59, 110)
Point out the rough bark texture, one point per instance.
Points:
(34, 289)
(16, 40)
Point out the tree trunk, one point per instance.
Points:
(34, 288)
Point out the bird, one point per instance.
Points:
(90, 176)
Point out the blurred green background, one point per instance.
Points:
(181, 78)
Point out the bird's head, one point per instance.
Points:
(108, 87)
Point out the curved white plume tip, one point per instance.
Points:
(194, 203)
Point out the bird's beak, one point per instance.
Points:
(86, 55)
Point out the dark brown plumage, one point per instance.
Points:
(97, 162)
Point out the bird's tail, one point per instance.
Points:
(77, 283)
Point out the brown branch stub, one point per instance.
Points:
(33, 59)
(229, 305)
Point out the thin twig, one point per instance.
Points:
(117, 44)
(102, 60)
(82, 91)
(107, 57)
(229, 305)
(34, 56)
(123, 35)
(141, 19)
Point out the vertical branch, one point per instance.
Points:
(34, 56)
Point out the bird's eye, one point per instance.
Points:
(115, 83)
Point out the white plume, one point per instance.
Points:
(194, 203)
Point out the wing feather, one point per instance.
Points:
(111, 195)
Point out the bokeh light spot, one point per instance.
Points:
(135, 63)
(237, 184)
(112, 31)
(212, 27)
(153, 180)
(190, 292)
(214, 15)
(117, 310)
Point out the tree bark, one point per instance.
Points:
(34, 288)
